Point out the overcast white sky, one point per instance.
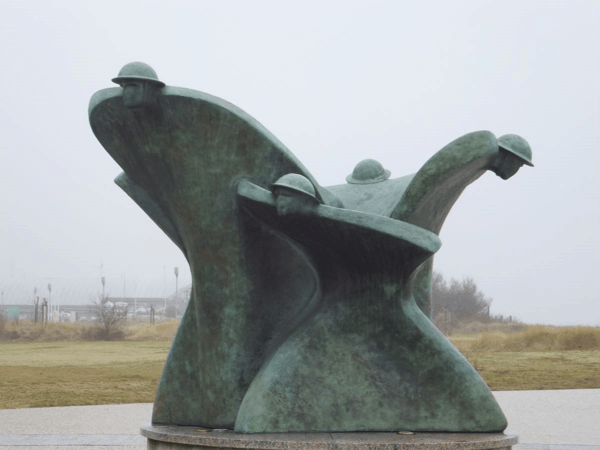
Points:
(337, 82)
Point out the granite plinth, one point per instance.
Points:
(180, 438)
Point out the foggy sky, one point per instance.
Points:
(336, 82)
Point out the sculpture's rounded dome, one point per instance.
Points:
(296, 183)
(516, 145)
(138, 71)
(368, 171)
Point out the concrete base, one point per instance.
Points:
(188, 438)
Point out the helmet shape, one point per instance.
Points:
(296, 183)
(138, 71)
(517, 146)
(368, 171)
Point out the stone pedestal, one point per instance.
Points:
(188, 438)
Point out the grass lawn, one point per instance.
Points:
(515, 371)
(79, 373)
(37, 374)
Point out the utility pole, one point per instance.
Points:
(103, 281)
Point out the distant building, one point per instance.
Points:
(86, 309)
(179, 299)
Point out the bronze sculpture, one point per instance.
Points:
(309, 309)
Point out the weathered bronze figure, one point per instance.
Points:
(310, 306)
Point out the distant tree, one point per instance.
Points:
(462, 298)
(439, 294)
(108, 315)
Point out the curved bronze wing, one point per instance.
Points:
(426, 198)
(182, 158)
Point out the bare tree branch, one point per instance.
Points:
(108, 314)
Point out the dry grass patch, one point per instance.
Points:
(27, 331)
(533, 338)
(60, 370)
(79, 373)
(32, 387)
(514, 371)
(160, 332)
(538, 357)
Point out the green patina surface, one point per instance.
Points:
(303, 316)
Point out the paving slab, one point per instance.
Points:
(101, 427)
(558, 417)
(76, 420)
(74, 447)
(72, 439)
(555, 447)
(543, 420)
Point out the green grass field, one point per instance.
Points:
(79, 373)
(515, 371)
(65, 373)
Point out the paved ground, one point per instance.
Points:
(543, 420)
